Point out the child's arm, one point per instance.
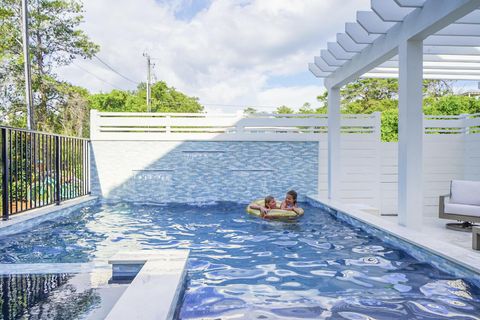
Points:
(262, 209)
(283, 206)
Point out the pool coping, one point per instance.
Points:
(48, 268)
(26, 220)
(156, 290)
(444, 256)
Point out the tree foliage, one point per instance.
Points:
(249, 110)
(163, 99)
(284, 110)
(366, 96)
(55, 41)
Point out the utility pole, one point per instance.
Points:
(146, 55)
(28, 75)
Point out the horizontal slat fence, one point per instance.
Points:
(222, 127)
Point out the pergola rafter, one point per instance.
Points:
(411, 40)
(460, 37)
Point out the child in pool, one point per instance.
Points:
(290, 202)
(270, 204)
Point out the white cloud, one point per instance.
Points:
(225, 54)
(290, 96)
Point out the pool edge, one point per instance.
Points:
(407, 240)
(27, 220)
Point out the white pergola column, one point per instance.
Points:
(410, 134)
(333, 143)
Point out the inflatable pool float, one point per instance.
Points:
(274, 214)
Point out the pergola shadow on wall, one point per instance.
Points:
(412, 40)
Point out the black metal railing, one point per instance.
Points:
(39, 169)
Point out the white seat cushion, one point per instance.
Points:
(465, 192)
(463, 209)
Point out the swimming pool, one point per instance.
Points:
(244, 268)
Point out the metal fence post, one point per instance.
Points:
(89, 177)
(5, 177)
(57, 170)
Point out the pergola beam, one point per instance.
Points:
(389, 11)
(330, 59)
(418, 25)
(338, 52)
(348, 44)
(433, 65)
(425, 76)
(410, 3)
(434, 61)
(451, 50)
(472, 17)
(316, 71)
(322, 65)
(358, 34)
(432, 72)
(372, 23)
(456, 29)
(453, 41)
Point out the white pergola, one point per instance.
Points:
(412, 40)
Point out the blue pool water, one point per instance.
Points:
(44, 296)
(242, 267)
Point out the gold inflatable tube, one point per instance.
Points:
(274, 214)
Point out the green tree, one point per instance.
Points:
(389, 129)
(114, 101)
(163, 99)
(168, 99)
(366, 96)
(284, 110)
(306, 109)
(451, 105)
(55, 41)
(73, 117)
(363, 95)
(249, 110)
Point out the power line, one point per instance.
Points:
(179, 103)
(94, 75)
(118, 73)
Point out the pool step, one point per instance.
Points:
(159, 278)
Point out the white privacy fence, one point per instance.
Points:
(218, 127)
(462, 124)
(262, 127)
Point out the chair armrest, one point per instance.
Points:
(441, 203)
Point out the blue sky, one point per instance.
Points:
(186, 10)
(225, 52)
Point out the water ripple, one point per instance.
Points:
(246, 268)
